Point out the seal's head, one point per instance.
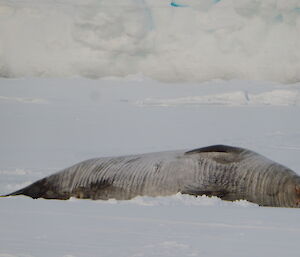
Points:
(290, 195)
(278, 186)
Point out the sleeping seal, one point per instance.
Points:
(230, 173)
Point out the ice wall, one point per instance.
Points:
(208, 39)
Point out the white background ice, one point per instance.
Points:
(97, 38)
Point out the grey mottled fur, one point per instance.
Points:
(227, 172)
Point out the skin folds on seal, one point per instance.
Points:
(227, 172)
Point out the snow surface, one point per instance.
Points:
(210, 39)
(49, 124)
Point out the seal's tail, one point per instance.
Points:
(42, 188)
(35, 190)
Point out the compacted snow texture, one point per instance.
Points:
(49, 124)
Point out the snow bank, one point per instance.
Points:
(23, 100)
(98, 38)
(279, 97)
(17, 172)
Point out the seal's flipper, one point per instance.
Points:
(212, 190)
(205, 190)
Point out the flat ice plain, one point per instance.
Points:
(67, 94)
(49, 124)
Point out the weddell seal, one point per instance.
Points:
(230, 173)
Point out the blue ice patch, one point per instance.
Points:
(178, 5)
(279, 18)
(297, 9)
(174, 4)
